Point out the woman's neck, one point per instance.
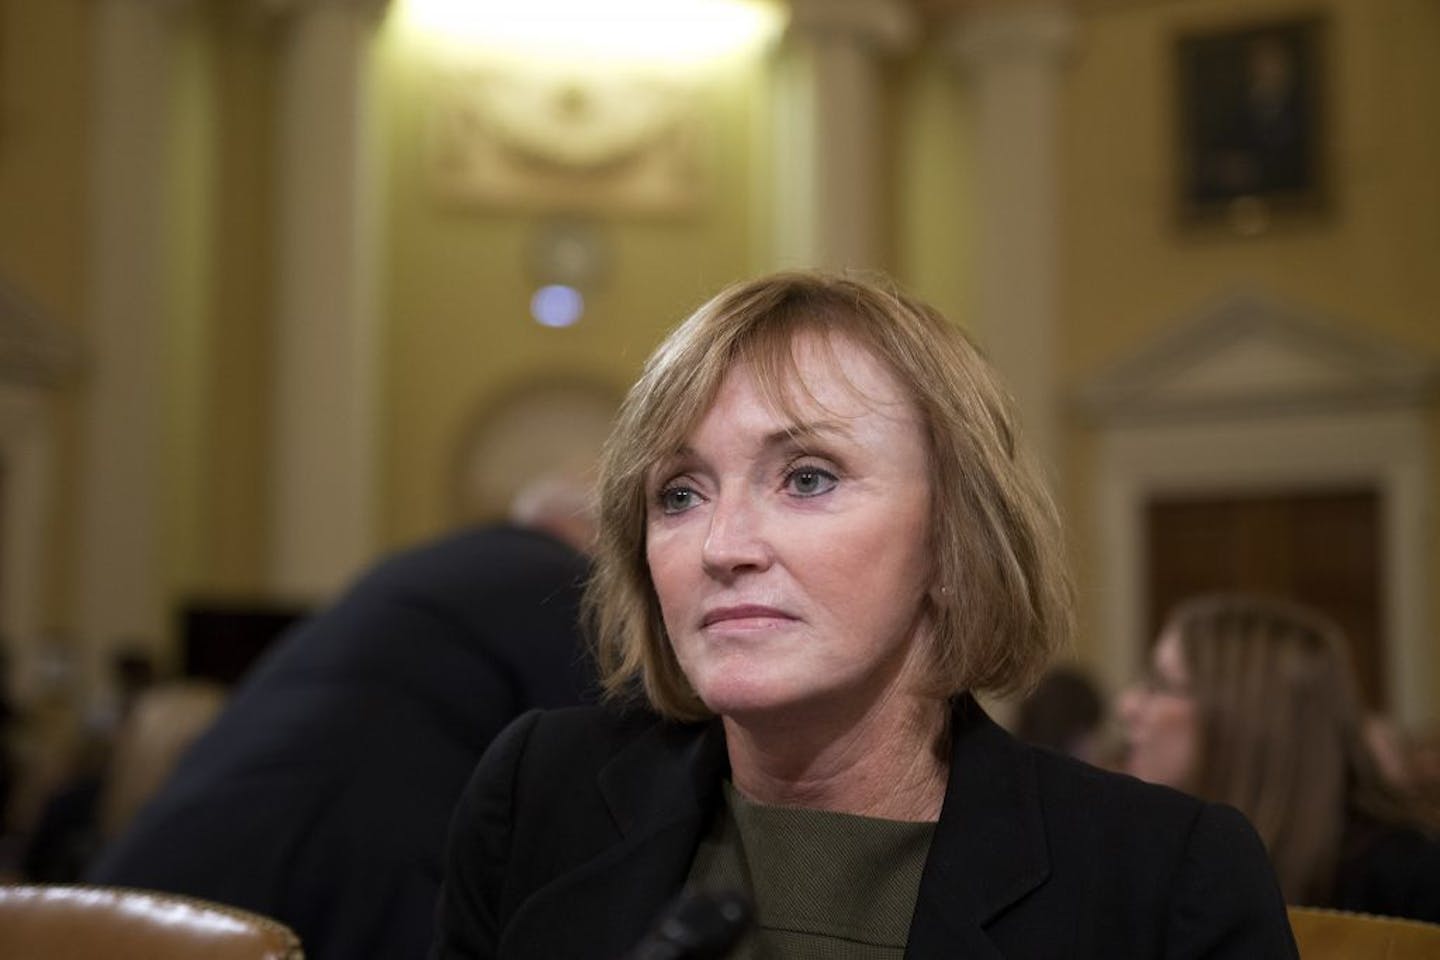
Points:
(891, 762)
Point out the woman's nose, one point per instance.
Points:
(735, 541)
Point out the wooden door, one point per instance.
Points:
(1319, 548)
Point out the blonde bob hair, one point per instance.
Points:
(1001, 592)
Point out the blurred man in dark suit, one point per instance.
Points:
(322, 795)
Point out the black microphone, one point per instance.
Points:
(699, 925)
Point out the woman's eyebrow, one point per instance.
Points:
(682, 456)
(795, 434)
(809, 430)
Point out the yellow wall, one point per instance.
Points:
(213, 422)
(457, 331)
(44, 77)
(933, 182)
(1130, 271)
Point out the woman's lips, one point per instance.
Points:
(744, 615)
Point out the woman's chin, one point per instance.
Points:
(738, 698)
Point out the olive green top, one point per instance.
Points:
(826, 886)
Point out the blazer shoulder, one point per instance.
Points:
(589, 732)
(1092, 813)
(1108, 794)
(550, 758)
(1200, 865)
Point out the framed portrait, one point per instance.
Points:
(1251, 116)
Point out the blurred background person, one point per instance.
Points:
(1250, 701)
(1065, 713)
(163, 722)
(322, 794)
(74, 757)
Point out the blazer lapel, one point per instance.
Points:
(661, 792)
(989, 847)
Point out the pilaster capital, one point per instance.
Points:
(887, 25)
(987, 32)
(162, 7)
(373, 9)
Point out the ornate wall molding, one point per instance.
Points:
(578, 137)
(1248, 355)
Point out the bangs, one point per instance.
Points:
(773, 356)
(769, 346)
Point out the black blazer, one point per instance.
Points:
(1389, 869)
(322, 794)
(579, 826)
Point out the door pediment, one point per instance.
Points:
(1249, 355)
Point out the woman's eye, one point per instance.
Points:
(810, 481)
(677, 499)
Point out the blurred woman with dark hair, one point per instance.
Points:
(1251, 701)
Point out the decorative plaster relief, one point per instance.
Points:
(577, 139)
(1248, 355)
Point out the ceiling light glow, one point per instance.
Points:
(674, 33)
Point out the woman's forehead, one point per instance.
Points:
(819, 374)
(809, 377)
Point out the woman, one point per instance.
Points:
(818, 540)
(1250, 701)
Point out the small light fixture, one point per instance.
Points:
(557, 305)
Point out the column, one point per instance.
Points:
(27, 448)
(1013, 54)
(829, 190)
(322, 488)
(118, 593)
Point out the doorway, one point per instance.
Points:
(1321, 548)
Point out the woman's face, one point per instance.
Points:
(1159, 719)
(791, 558)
